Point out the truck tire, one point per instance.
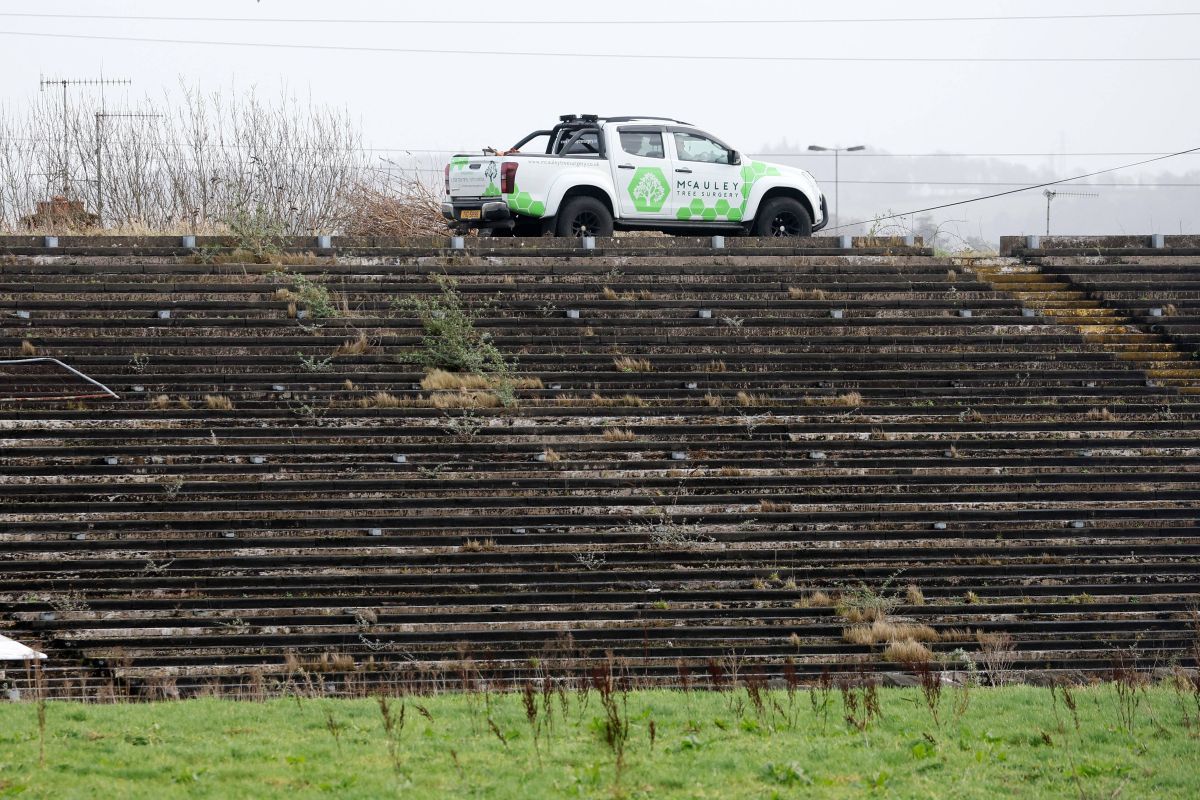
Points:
(783, 216)
(583, 216)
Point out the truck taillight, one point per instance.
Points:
(447, 179)
(508, 177)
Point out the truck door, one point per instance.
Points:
(706, 178)
(641, 172)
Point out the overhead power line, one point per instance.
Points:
(857, 156)
(1015, 191)
(674, 22)
(624, 56)
(464, 149)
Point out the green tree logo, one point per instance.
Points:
(649, 189)
(491, 172)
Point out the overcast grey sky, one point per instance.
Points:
(439, 101)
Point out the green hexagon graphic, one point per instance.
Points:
(684, 213)
(537, 208)
(709, 214)
(523, 201)
(734, 214)
(697, 206)
(648, 188)
(722, 206)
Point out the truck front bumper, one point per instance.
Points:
(480, 213)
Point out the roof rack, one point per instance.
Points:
(641, 116)
(568, 118)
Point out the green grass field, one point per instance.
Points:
(1011, 742)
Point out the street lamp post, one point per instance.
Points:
(836, 152)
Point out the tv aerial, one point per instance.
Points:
(1050, 194)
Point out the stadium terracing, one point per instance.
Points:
(698, 461)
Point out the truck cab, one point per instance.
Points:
(590, 175)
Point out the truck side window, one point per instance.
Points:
(690, 147)
(587, 144)
(643, 144)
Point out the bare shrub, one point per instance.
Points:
(408, 207)
(189, 166)
(997, 654)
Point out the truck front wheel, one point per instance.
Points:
(583, 216)
(783, 216)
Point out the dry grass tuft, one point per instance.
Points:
(820, 599)
(848, 399)
(608, 294)
(466, 399)
(914, 595)
(28, 348)
(618, 435)
(797, 293)
(713, 400)
(951, 275)
(715, 366)
(389, 400)
(730, 472)
(907, 652)
(1101, 415)
(628, 364)
(623, 400)
(354, 347)
(880, 631)
(770, 506)
(218, 402)
(749, 399)
(348, 385)
(160, 402)
(440, 379)
(550, 454)
(478, 545)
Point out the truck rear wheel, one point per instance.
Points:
(583, 216)
(783, 216)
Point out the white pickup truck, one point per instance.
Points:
(597, 174)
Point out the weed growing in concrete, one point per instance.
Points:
(257, 232)
(314, 364)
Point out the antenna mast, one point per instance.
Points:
(64, 172)
(1050, 194)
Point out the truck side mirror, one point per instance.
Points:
(735, 157)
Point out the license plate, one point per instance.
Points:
(469, 213)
